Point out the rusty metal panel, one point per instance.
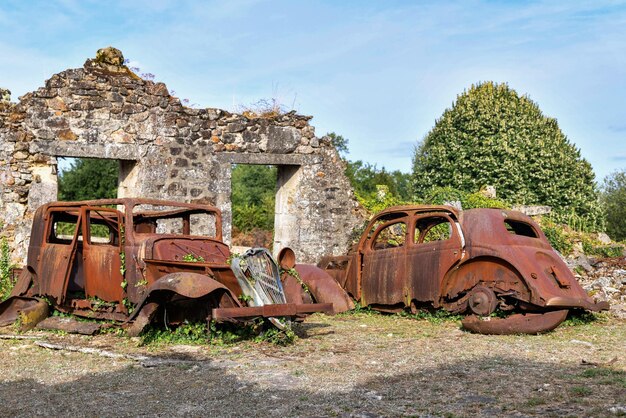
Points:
(531, 323)
(269, 311)
(101, 255)
(69, 325)
(54, 269)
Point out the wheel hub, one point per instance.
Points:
(482, 301)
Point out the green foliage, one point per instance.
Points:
(382, 199)
(360, 309)
(563, 238)
(217, 334)
(89, 179)
(294, 273)
(492, 136)
(613, 196)
(435, 317)
(609, 376)
(589, 222)
(187, 333)
(253, 197)
(6, 280)
(443, 195)
(557, 236)
(340, 143)
(276, 336)
(365, 178)
(577, 318)
(594, 247)
(191, 258)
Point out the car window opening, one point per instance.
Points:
(432, 229)
(391, 236)
(520, 228)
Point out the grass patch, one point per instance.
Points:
(605, 376)
(435, 317)
(201, 333)
(359, 310)
(536, 401)
(580, 391)
(577, 317)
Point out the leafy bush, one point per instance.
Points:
(493, 136)
(365, 178)
(595, 247)
(558, 237)
(443, 195)
(6, 280)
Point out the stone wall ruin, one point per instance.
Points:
(168, 151)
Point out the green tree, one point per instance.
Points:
(364, 177)
(493, 136)
(614, 200)
(253, 196)
(340, 143)
(88, 179)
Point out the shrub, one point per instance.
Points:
(491, 135)
(6, 280)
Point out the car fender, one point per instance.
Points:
(322, 287)
(24, 282)
(492, 271)
(189, 285)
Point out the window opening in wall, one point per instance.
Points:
(94, 178)
(253, 203)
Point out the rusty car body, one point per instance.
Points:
(474, 262)
(134, 260)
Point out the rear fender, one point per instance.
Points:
(492, 272)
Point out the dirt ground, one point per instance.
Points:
(356, 365)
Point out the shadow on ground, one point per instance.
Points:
(488, 386)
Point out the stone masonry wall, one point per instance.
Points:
(168, 151)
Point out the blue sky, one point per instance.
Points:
(377, 72)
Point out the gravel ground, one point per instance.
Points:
(357, 365)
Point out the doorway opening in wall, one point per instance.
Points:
(94, 178)
(264, 206)
(253, 202)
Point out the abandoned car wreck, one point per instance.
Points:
(137, 260)
(472, 262)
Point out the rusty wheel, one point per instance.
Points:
(482, 301)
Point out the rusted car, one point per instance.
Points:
(139, 260)
(486, 263)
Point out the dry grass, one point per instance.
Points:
(349, 365)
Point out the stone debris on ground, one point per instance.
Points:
(603, 279)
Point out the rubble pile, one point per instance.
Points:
(603, 279)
